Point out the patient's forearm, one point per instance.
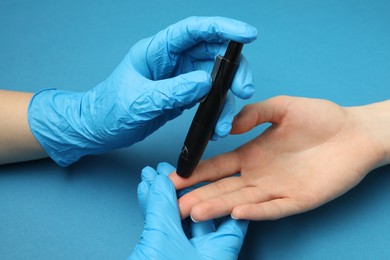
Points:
(17, 143)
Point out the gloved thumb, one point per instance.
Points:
(183, 90)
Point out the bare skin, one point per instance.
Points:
(17, 143)
(314, 151)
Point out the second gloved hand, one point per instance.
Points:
(159, 78)
(163, 236)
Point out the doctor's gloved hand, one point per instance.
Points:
(164, 235)
(158, 78)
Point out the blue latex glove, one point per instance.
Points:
(159, 78)
(164, 237)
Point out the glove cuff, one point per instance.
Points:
(51, 115)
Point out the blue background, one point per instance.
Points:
(336, 50)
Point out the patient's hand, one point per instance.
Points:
(314, 151)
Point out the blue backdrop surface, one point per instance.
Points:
(336, 50)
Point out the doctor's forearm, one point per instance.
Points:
(17, 143)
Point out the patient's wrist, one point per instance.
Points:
(375, 119)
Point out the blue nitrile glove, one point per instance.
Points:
(159, 78)
(163, 236)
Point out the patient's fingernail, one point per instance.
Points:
(233, 217)
(193, 219)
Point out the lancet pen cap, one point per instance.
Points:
(185, 167)
(233, 51)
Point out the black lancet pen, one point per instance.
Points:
(208, 112)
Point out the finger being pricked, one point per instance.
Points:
(210, 170)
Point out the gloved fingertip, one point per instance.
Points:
(224, 123)
(244, 92)
(224, 129)
(143, 188)
(234, 29)
(148, 173)
(243, 83)
(165, 168)
(248, 91)
(251, 32)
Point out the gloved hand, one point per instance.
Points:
(163, 236)
(159, 78)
